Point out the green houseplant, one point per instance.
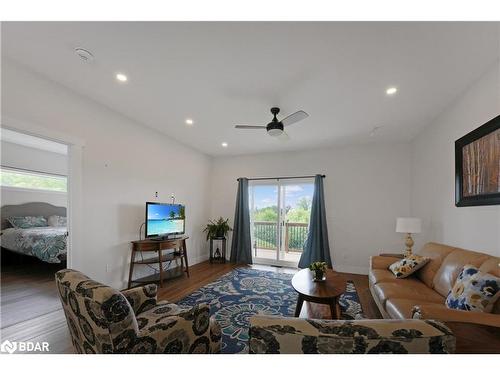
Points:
(318, 269)
(217, 229)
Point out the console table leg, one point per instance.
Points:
(161, 268)
(131, 271)
(182, 260)
(185, 256)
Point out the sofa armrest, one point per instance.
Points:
(141, 298)
(192, 331)
(444, 314)
(271, 334)
(382, 262)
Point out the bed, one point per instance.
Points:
(47, 243)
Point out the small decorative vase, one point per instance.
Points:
(319, 275)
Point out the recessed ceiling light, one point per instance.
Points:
(224, 144)
(121, 77)
(189, 121)
(391, 90)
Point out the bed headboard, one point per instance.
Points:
(30, 209)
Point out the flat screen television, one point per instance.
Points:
(163, 219)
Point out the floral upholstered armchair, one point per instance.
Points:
(103, 320)
(271, 334)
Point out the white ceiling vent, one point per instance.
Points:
(84, 55)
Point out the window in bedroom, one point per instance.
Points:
(24, 179)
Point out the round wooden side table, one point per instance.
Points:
(324, 292)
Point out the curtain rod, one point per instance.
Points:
(280, 178)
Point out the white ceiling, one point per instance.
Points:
(222, 74)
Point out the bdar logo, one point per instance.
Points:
(8, 347)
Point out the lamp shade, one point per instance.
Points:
(408, 225)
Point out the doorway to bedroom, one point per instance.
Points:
(34, 239)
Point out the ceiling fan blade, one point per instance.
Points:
(294, 117)
(284, 137)
(249, 127)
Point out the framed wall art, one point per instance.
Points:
(477, 166)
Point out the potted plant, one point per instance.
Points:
(318, 269)
(217, 229)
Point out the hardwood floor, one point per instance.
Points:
(30, 306)
(31, 310)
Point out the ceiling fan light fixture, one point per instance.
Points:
(275, 132)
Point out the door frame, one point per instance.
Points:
(280, 221)
(74, 195)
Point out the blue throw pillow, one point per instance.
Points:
(474, 291)
(23, 222)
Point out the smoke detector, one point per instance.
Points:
(84, 55)
(375, 130)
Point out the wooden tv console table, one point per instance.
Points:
(148, 245)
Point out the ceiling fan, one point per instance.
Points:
(276, 128)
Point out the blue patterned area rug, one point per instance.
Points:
(244, 292)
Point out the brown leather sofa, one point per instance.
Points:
(423, 294)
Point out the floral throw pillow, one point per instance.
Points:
(474, 291)
(405, 267)
(23, 222)
(57, 221)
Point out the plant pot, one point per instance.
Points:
(319, 275)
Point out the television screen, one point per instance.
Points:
(163, 219)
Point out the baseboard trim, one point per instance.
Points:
(351, 269)
(198, 259)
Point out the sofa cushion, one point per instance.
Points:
(377, 276)
(445, 277)
(400, 308)
(406, 289)
(492, 266)
(275, 334)
(406, 266)
(474, 291)
(436, 252)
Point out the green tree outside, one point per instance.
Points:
(25, 180)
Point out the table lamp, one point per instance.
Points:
(408, 225)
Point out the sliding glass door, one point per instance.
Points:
(279, 216)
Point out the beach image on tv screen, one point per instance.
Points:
(164, 219)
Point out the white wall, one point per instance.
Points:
(124, 164)
(433, 173)
(366, 188)
(18, 156)
(20, 196)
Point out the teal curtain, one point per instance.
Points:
(241, 245)
(316, 247)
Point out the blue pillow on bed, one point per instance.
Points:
(23, 222)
